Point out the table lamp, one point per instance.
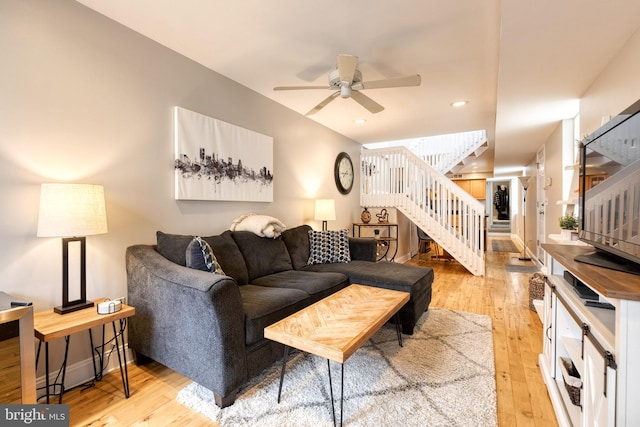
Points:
(325, 211)
(72, 211)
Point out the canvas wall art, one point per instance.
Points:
(216, 160)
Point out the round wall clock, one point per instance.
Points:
(343, 173)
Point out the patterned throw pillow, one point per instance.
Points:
(328, 247)
(200, 257)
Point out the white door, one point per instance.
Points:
(599, 388)
(548, 347)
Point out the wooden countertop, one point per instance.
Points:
(609, 283)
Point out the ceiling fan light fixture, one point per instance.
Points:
(346, 80)
(345, 90)
(460, 103)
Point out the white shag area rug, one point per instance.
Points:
(443, 376)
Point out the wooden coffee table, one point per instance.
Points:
(337, 326)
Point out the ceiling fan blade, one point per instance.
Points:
(300, 87)
(324, 103)
(413, 80)
(347, 67)
(366, 102)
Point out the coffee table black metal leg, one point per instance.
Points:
(398, 331)
(333, 410)
(284, 366)
(341, 390)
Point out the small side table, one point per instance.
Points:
(49, 326)
(384, 242)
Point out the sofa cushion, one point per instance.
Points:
(200, 256)
(388, 275)
(297, 241)
(317, 285)
(328, 247)
(229, 256)
(173, 246)
(262, 255)
(265, 305)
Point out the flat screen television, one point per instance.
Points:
(610, 193)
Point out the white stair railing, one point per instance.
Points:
(611, 211)
(446, 152)
(619, 144)
(396, 177)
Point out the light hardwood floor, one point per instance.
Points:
(517, 333)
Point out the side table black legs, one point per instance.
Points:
(118, 336)
(124, 372)
(62, 371)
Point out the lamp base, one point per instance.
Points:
(75, 306)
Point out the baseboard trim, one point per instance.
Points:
(403, 258)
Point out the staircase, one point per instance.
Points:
(617, 145)
(449, 153)
(396, 177)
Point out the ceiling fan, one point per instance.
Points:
(346, 81)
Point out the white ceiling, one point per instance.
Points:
(521, 64)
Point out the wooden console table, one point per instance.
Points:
(388, 244)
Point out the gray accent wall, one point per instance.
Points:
(84, 99)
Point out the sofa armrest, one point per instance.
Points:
(362, 249)
(189, 320)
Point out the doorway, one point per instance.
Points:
(499, 211)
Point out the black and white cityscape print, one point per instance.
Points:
(216, 160)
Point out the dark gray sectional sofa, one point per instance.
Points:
(209, 327)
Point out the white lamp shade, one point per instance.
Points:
(325, 210)
(71, 210)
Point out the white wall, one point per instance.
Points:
(617, 87)
(554, 170)
(84, 99)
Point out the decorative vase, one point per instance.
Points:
(365, 216)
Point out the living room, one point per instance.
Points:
(86, 99)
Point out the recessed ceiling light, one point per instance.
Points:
(359, 121)
(459, 103)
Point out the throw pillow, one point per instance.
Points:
(200, 256)
(173, 246)
(328, 247)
